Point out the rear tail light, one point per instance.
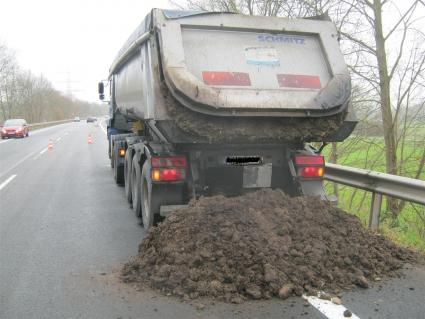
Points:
(168, 169)
(303, 160)
(311, 171)
(168, 174)
(310, 166)
(170, 161)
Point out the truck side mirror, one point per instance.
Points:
(101, 90)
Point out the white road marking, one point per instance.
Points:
(103, 129)
(31, 154)
(58, 139)
(41, 153)
(4, 141)
(328, 308)
(17, 163)
(7, 181)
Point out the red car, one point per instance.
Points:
(15, 128)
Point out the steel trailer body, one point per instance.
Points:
(207, 103)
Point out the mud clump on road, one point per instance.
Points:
(260, 245)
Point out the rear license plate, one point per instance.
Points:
(257, 176)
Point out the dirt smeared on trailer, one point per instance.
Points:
(220, 129)
(260, 245)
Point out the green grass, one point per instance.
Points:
(408, 228)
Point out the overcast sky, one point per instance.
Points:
(73, 42)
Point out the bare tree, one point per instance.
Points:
(25, 95)
(386, 55)
(8, 68)
(391, 63)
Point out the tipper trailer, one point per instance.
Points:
(207, 103)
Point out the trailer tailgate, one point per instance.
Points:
(290, 66)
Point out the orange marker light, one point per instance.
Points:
(122, 152)
(312, 171)
(156, 174)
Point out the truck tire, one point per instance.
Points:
(111, 154)
(136, 193)
(150, 198)
(127, 176)
(118, 170)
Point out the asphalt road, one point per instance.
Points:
(65, 231)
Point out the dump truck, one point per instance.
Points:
(205, 103)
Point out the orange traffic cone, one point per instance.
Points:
(90, 140)
(50, 146)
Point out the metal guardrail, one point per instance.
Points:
(35, 125)
(409, 189)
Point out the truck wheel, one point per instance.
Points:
(136, 186)
(150, 198)
(127, 176)
(118, 170)
(111, 155)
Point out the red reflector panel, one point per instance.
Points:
(168, 174)
(309, 160)
(311, 171)
(226, 78)
(172, 161)
(299, 81)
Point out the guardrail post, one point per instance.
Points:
(375, 210)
